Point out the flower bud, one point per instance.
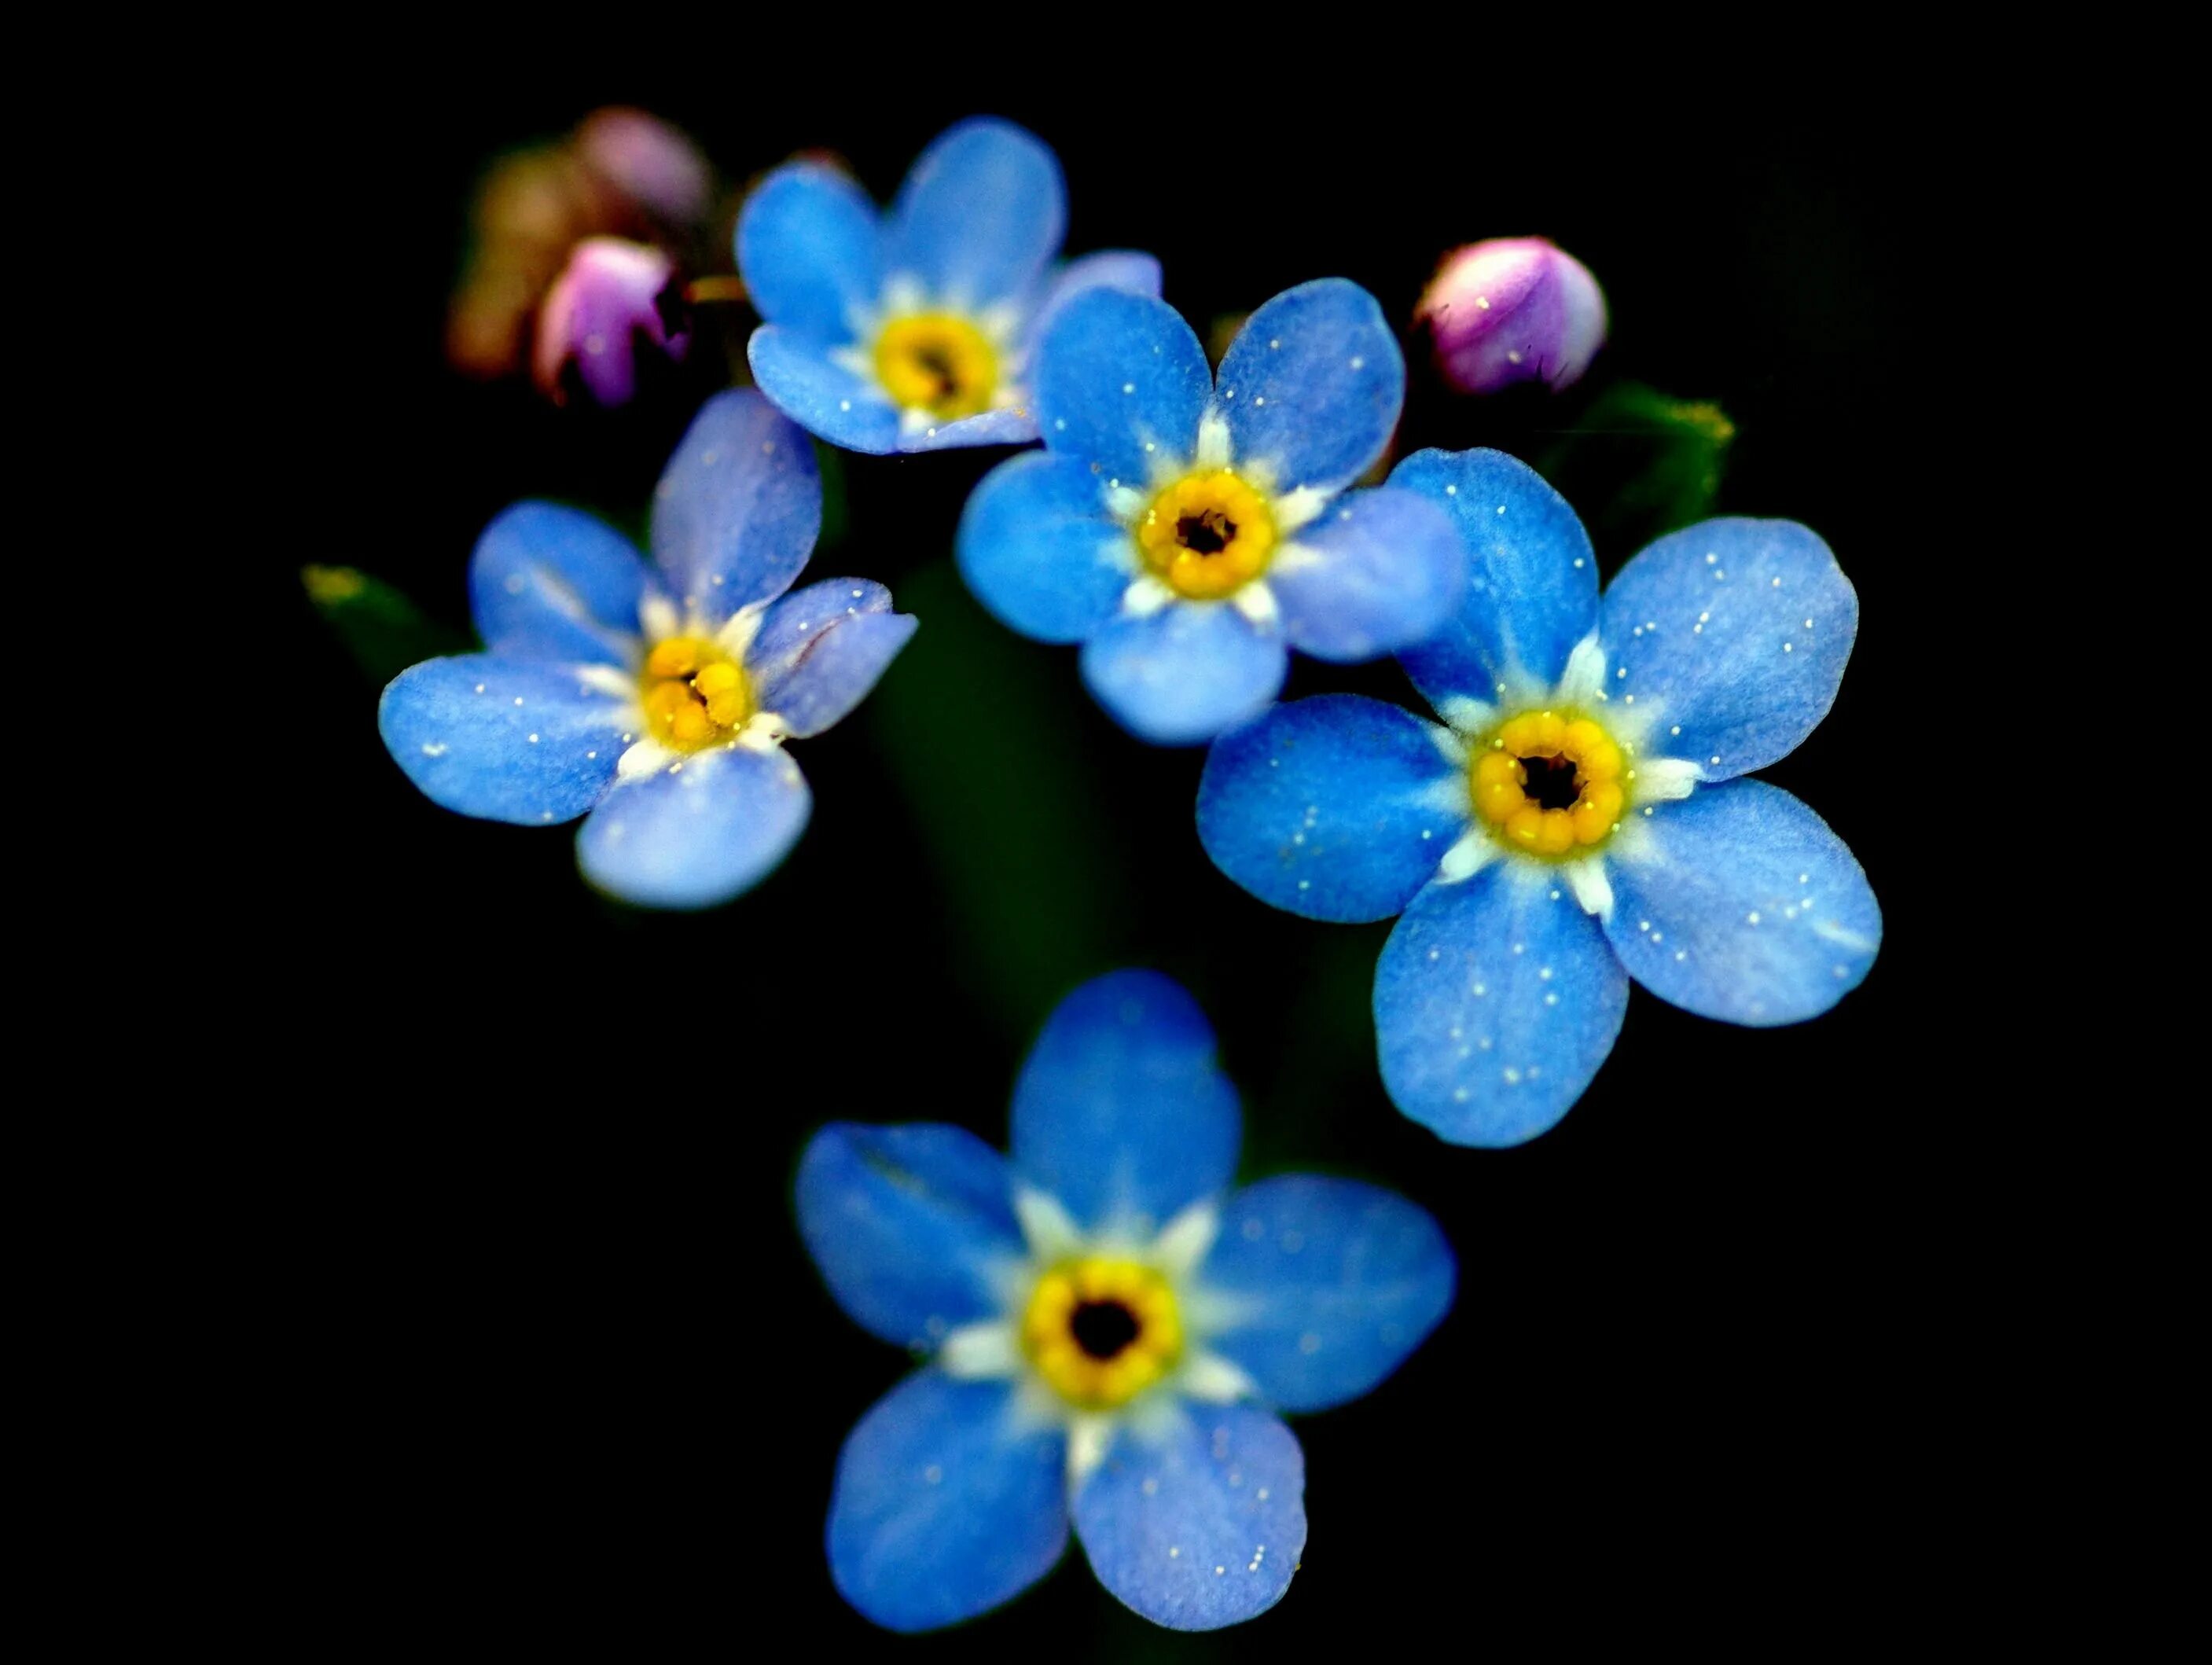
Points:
(609, 293)
(649, 163)
(1513, 309)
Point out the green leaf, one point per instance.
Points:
(383, 630)
(1639, 463)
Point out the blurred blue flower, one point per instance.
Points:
(1188, 529)
(913, 330)
(1108, 1322)
(1578, 820)
(656, 698)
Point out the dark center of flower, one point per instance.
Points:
(1207, 532)
(1103, 1328)
(936, 362)
(1553, 782)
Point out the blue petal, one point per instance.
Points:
(1039, 551)
(1202, 1525)
(1738, 903)
(1312, 385)
(827, 399)
(1116, 372)
(1335, 1282)
(1109, 268)
(1334, 808)
(736, 512)
(1006, 427)
(822, 649)
(1185, 673)
(1387, 570)
(1532, 576)
(555, 584)
(1495, 999)
(697, 833)
(1121, 1112)
(907, 1225)
(809, 249)
(502, 738)
(1737, 630)
(946, 1504)
(981, 213)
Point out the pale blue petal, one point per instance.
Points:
(946, 1504)
(1202, 1525)
(1337, 807)
(980, 213)
(1379, 572)
(557, 585)
(1735, 630)
(1109, 268)
(1532, 576)
(505, 739)
(838, 674)
(907, 1225)
(1039, 551)
(1122, 1112)
(1117, 374)
(1739, 905)
(1335, 1283)
(1495, 999)
(736, 512)
(1182, 675)
(795, 373)
(1011, 426)
(821, 649)
(810, 250)
(1312, 385)
(699, 833)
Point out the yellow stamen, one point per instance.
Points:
(938, 363)
(1099, 1332)
(1207, 535)
(1566, 750)
(694, 694)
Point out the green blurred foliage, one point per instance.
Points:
(384, 631)
(1639, 464)
(1018, 830)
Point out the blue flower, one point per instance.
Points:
(1108, 1322)
(912, 330)
(1580, 818)
(1188, 531)
(656, 698)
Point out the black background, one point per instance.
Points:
(566, 1374)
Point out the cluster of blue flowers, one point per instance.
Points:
(1105, 1320)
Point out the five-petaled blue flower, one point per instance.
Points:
(1579, 820)
(1109, 1322)
(1187, 530)
(657, 698)
(914, 331)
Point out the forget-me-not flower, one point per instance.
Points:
(654, 698)
(913, 330)
(1579, 819)
(1189, 530)
(1109, 1325)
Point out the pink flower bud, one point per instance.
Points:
(1513, 309)
(649, 162)
(609, 293)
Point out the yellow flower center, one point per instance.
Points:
(936, 362)
(1100, 1332)
(1207, 535)
(1550, 781)
(694, 695)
